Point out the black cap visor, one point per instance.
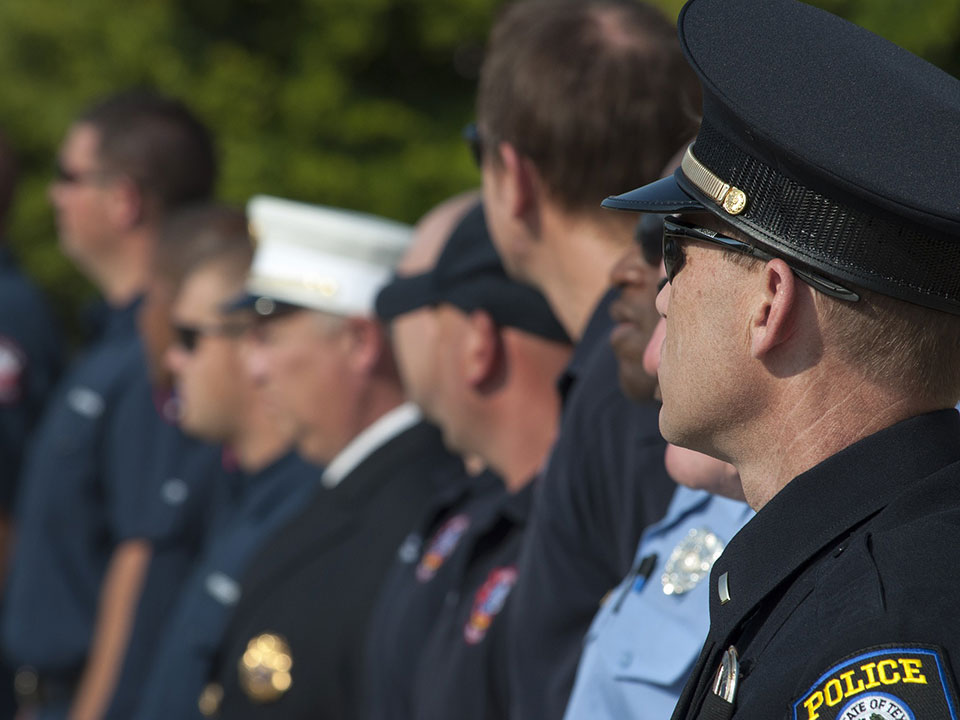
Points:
(405, 294)
(664, 196)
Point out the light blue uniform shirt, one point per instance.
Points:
(643, 643)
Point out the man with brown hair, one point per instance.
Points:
(207, 251)
(812, 340)
(85, 523)
(575, 97)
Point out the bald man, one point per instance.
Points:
(420, 579)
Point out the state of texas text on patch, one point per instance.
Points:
(884, 682)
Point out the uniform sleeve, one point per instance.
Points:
(131, 458)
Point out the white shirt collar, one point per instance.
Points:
(383, 429)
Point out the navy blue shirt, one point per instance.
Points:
(30, 361)
(74, 507)
(182, 489)
(414, 591)
(605, 482)
(463, 669)
(192, 636)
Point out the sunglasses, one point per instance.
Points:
(188, 336)
(649, 236)
(475, 141)
(66, 176)
(676, 232)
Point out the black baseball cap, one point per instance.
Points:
(470, 276)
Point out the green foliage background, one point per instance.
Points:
(356, 103)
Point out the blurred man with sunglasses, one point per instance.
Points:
(574, 98)
(209, 250)
(812, 340)
(87, 520)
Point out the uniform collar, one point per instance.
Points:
(517, 505)
(122, 320)
(385, 428)
(597, 331)
(823, 504)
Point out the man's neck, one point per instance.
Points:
(124, 275)
(815, 425)
(573, 271)
(262, 438)
(521, 434)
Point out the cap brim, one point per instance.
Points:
(405, 294)
(664, 196)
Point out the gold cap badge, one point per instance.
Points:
(265, 668)
(730, 198)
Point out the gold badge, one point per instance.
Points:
(210, 699)
(265, 668)
(735, 202)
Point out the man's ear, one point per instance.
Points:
(774, 309)
(366, 340)
(126, 204)
(521, 181)
(483, 352)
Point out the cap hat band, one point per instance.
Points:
(732, 199)
(870, 249)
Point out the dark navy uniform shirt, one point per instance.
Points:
(414, 591)
(463, 671)
(296, 644)
(192, 635)
(840, 596)
(183, 489)
(604, 483)
(74, 507)
(30, 361)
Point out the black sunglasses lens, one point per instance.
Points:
(61, 174)
(649, 235)
(187, 338)
(472, 135)
(673, 257)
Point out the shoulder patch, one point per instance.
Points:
(12, 364)
(884, 682)
(441, 546)
(488, 602)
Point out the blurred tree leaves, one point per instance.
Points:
(357, 103)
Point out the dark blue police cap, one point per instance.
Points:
(824, 142)
(470, 276)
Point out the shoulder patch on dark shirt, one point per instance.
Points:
(441, 546)
(884, 682)
(12, 365)
(489, 601)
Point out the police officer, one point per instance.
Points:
(645, 639)
(496, 349)
(574, 98)
(84, 534)
(294, 647)
(415, 588)
(219, 402)
(812, 289)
